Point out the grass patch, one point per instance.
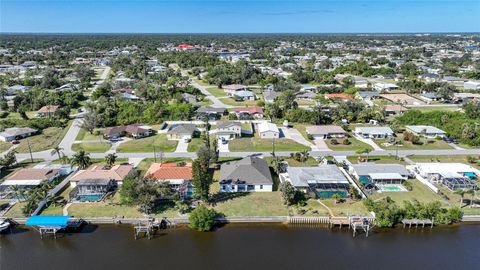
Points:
(48, 139)
(431, 144)
(112, 207)
(4, 146)
(255, 144)
(92, 147)
(247, 126)
(232, 102)
(253, 204)
(16, 210)
(294, 163)
(217, 92)
(195, 144)
(338, 209)
(160, 143)
(84, 135)
(377, 159)
(420, 192)
(353, 146)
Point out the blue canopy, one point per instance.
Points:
(46, 221)
(470, 175)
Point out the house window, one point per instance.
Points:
(261, 186)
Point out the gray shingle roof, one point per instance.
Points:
(252, 170)
(182, 129)
(227, 124)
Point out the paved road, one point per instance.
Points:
(71, 135)
(216, 102)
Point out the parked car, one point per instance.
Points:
(15, 142)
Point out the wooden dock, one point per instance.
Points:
(417, 222)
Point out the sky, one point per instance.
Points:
(239, 16)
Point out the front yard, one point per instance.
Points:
(160, 143)
(232, 102)
(353, 146)
(429, 144)
(48, 139)
(92, 147)
(255, 144)
(217, 92)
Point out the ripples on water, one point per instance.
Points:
(244, 247)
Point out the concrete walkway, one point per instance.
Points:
(222, 148)
(182, 147)
(135, 161)
(321, 145)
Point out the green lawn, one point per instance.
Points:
(444, 159)
(205, 102)
(92, 147)
(302, 128)
(48, 139)
(16, 210)
(437, 108)
(377, 159)
(112, 207)
(255, 144)
(420, 192)
(353, 146)
(431, 144)
(253, 204)
(84, 135)
(160, 143)
(247, 126)
(195, 144)
(294, 163)
(4, 146)
(346, 208)
(232, 102)
(217, 92)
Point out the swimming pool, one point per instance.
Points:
(90, 198)
(391, 188)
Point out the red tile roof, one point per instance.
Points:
(184, 46)
(250, 109)
(169, 171)
(48, 109)
(339, 95)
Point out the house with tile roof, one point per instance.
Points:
(28, 178)
(178, 176)
(48, 111)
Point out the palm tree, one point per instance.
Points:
(304, 156)
(364, 151)
(81, 159)
(16, 192)
(460, 192)
(336, 198)
(470, 192)
(57, 150)
(110, 160)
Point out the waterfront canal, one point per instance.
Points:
(244, 247)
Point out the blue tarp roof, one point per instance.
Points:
(48, 221)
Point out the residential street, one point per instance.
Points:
(216, 102)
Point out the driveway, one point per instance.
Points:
(294, 134)
(182, 147)
(223, 147)
(369, 142)
(216, 102)
(321, 145)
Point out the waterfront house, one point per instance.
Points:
(326, 131)
(177, 176)
(324, 180)
(452, 175)
(268, 130)
(48, 111)
(117, 173)
(227, 130)
(181, 132)
(27, 178)
(374, 132)
(135, 131)
(379, 174)
(427, 131)
(11, 134)
(250, 174)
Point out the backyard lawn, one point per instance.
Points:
(111, 208)
(353, 146)
(217, 92)
(252, 204)
(92, 147)
(346, 208)
(294, 163)
(48, 139)
(420, 192)
(16, 210)
(255, 144)
(160, 143)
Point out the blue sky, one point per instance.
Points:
(239, 16)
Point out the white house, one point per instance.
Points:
(250, 174)
(427, 131)
(15, 133)
(385, 86)
(471, 85)
(268, 130)
(374, 132)
(227, 130)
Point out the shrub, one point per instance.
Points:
(346, 142)
(334, 141)
(202, 219)
(310, 137)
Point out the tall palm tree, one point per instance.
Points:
(57, 150)
(110, 160)
(81, 159)
(16, 192)
(304, 156)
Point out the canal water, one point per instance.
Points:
(244, 247)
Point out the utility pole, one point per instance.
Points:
(30, 150)
(154, 154)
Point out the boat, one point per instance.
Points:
(4, 224)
